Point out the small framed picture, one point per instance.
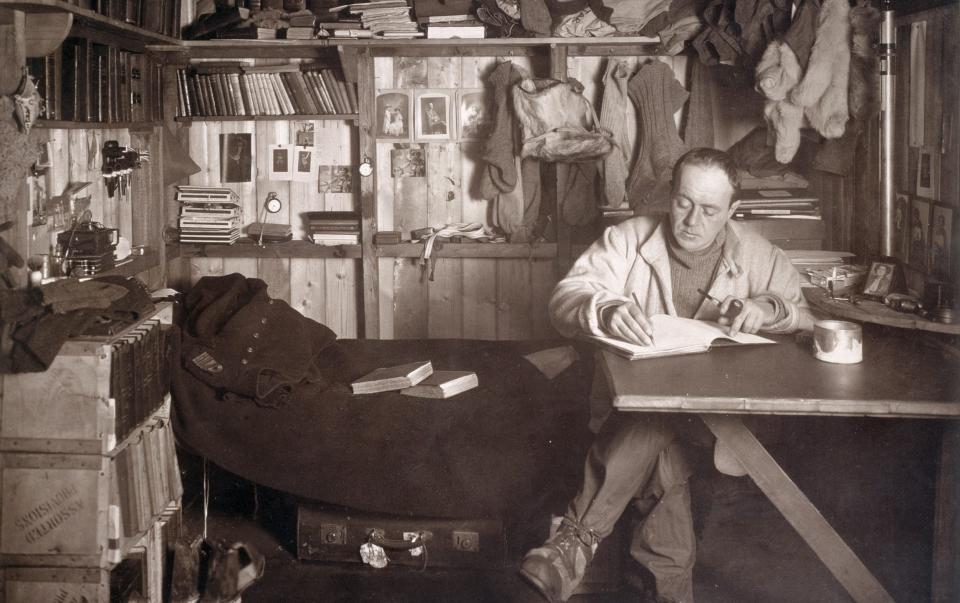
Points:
(473, 112)
(901, 211)
(928, 173)
(918, 248)
(941, 242)
(433, 116)
(408, 163)
(236, 157)
(879, 279)
(280, 162)
(335, 179)
(303, 164)
(393, 115)
(304, 135)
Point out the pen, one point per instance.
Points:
(636, 300)
(736, 306)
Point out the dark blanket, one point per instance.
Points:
(494, 451)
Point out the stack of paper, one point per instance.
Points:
(385, 18)
(209, 214)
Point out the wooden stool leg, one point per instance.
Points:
(842, 562)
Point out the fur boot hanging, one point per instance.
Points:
(784, 119)
(823, 90)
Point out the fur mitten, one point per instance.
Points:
(778, 71)
(823, 90)
(785, 120)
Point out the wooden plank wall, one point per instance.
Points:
(323, 289)
(470, 297)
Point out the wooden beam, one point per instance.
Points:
(369, 293)
(797, 509)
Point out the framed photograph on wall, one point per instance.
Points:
(236, 157)
(901, 214)
(408, 163)
(393, 115)
(303, 163)
(941, 242)
(473, 114)
(433, 116)
(280, 162)
(919, 236)
(335, 179)
(928, 173)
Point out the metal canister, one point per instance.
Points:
(838, 341)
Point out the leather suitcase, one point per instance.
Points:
(330, 534)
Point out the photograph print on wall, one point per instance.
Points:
(941, 241)
(474, 114)
(236, 157)
(393, 115)
(280, 162)
(408, 162)
(917, 250)
(433, 116)
(335, 179)
(303, 163)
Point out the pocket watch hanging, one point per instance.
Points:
(27, 102)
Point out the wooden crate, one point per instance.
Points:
(53, 510)
(66, 409)
(42, 585)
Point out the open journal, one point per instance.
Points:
(674, 336)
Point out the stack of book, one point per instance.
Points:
(209, 215)
(416, 379)
(333, 227)
(344, 28)
(385, 18)
(444, 27)
(234, 88)
(159, 16)
(778, 203)
(302, 26)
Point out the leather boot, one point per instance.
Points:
(557, 568)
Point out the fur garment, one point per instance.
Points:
(862, 97)
(785, 119)
(823, 90)
(778, 71)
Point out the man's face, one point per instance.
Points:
(700, 206)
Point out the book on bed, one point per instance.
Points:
(674, 336)
(443, 384)
(391, 378)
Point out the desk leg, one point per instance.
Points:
(946, 534)
(842, 562)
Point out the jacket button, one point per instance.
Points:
(256, 335)
(244, 361)
(250, 350)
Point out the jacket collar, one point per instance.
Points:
(654, 250)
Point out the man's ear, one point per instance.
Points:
(733, 208)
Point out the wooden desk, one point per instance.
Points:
(900, 376)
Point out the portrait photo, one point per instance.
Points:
(408, 163)
(279, 162)
(879, 279)
(393, 115)
(303, 169)
(236, 158)
(919, 235)
(941, 241)
(474, 118)
(433, 116)
(928, 173)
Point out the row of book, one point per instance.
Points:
(145, 479)
(333, 227)
(209, 214)
(140, 373)
(240, 90)
(158, 16)
(90, 82)
(777, 203)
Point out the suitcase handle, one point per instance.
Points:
(379, 538)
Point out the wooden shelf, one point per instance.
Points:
(124, 34)
(333, 117)
(874, 312)
(134, 265)
(487, 46)
(56, 124)
(470, 250)
(246, 248)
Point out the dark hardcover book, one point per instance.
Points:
(347, 228)
(219, 101)
(333, 82)
(352, 95)
(54, 74)
(316, 92)
(246, 96)
(137, 92)
(133, 12)
(312, 92)
(205, 83)
(152, 16)
(331, 87)
(98, 82)
(123, 86)
(182, 108)
(75, 81)
(228, 93)
(119, 408)
(304, 88)
(113, 84)
(301, 103)
(334, 215)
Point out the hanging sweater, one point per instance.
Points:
(618, 116)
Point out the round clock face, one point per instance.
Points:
(366, 168)
(274, 205)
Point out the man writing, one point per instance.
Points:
(639, 268)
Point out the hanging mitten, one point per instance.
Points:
(785, 120)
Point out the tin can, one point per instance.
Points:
(838, 341)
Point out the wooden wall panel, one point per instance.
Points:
(480, 298)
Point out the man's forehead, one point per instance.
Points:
(705, 184)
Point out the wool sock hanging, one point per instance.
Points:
(657, 95)
(500, 149)
(617, 116)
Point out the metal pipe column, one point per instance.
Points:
(888, 48)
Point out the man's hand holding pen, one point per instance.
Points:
(627, 321)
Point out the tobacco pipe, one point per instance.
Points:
(736, 306)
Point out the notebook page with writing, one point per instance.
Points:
(674, 335)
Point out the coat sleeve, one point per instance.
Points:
(783, 291)
(597, 279)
